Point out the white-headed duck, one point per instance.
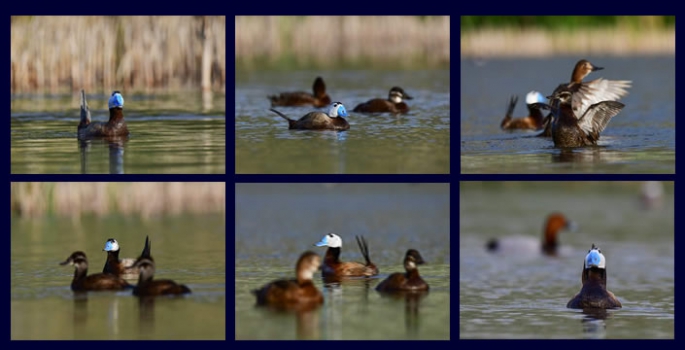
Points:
(555, 223)
(298, 293)
(594, 293)
(408, 282)
(394, 104)
(95, 282)
(115, 126)
(120, 267)
(534, 119)
(318, 99)
(333, 120)
(333, 267)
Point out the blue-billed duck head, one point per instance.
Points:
(330, 240)
(116, 100)
(595, 258)
(111, 245)
(337, 110)
(535, 97)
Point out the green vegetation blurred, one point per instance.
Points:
(141, 199)
(364, 42)
(567, 22)
(543, 36)
(105, 53)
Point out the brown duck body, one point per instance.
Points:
(299, 293)
(570, 131)
(379, 105)
(316, 121)
(115, 126)
(593, 294)
(410, 281)
(318, 99)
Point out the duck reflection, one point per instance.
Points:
(594, 323)
(115, 145)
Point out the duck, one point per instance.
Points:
(394, 104)
(586, 94)
(534, 119)
(593, 293)
(569, 130)
(115, 126)
(333, 267)
(333, 120)
(297, 293)
(554, 224)
(121, 267)
(318, 99)
(147, 286)
(96, 282)
(410, 281)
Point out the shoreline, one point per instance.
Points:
(544, 43)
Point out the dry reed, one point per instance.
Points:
(144, 199)
(329, 41)
(618, 41)
(128, 53)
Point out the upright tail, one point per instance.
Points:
(364, 248)
(510, 111)
(146, 250)
(85, 111)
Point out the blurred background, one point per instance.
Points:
(515, 291)
(504, 56)
(186, 226)
(359, 58)
(171, 71)
(275, 223)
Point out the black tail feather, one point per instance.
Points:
(364, 248)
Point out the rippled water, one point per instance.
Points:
(640, 139)
(524, 294)
(167, 136)
(187, 249)
(275, 223)
(417, 142)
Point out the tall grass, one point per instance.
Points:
(332, 41)
(112, 52)
(144, 199)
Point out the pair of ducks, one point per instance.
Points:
(334, 118)
(593, 293)
(115, 269)
(580, 111)
(301, 292)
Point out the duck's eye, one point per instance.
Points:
(330, 235)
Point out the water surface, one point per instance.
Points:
(187, 249)
(640, 139)
(169, 134)
(417, 142)
(275, 223)
(516, 294)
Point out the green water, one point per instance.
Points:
(187, 249)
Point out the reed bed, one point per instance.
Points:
(332, 41)
(143, 199)
(516, 42)
(55, 53)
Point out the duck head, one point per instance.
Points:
(116, 100)
(337, 110)
(396, 95)
(330, 240)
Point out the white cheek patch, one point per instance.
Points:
(396, 97)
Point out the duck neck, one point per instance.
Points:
(80, 272)
(332, 256)
(595, 276)
(116, 114)
(412, 273)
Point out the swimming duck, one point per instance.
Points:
(392, 105)
(149, 287)
(409, 281)
(333, 267)
(294, 293)
(570, 130)
(534, 119)
(594, 293)
(124, 266)
(115, 126)
(318, 99)
(333, 120)
(98, 281)
(555, 223)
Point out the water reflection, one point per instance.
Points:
(594, 323)
(116, 152)
(412, 300)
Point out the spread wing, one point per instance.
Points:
(596, 91)
(598, 116)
